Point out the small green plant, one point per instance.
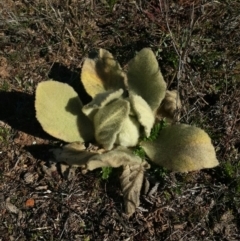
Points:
(126, 105)
(139, 151)
(106, 172)
(155, 131)
(111, 4)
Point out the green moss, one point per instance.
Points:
(209, 61)
(4, 86)
(15, 56)
(111, 4)
(170, 58)
(167, 195)
(177, 189)
(86, 238)
(228, 170)
(5, 134)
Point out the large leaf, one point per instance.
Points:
(145, 78)
(131, 182)
(101, 100)
(108, 122)
(102, 73)
(182, 148)
(170, 104)
(77, 155)
(133, 168)
(129, 133)
(144, 113)
(58, 109)
(73, 154)
(115, 158)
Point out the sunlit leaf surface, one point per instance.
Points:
(182, 148)
(58, 109)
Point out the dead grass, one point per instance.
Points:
(197, 45)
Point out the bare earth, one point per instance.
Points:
(197, 44)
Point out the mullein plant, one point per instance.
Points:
(126, 105)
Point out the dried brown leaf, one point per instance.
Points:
(170, 104)
(131, 182)
(73, 154)
(115, 158)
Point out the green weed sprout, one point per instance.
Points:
(126, 105)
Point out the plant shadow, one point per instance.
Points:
(43, 152)
(17, 108)
(40, 152)
(85, 127)
(62, 74)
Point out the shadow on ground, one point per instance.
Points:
(17, 108)
(62, 74)
(40, 152)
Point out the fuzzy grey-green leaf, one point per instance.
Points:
(108, 122)
(182, 148)
(102, 73)
(145, 78)
(58, 109)
(73, 154)
(129, 133)
(101, 100)
(115, 158)
(143, 112)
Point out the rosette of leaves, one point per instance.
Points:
(125, 105)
